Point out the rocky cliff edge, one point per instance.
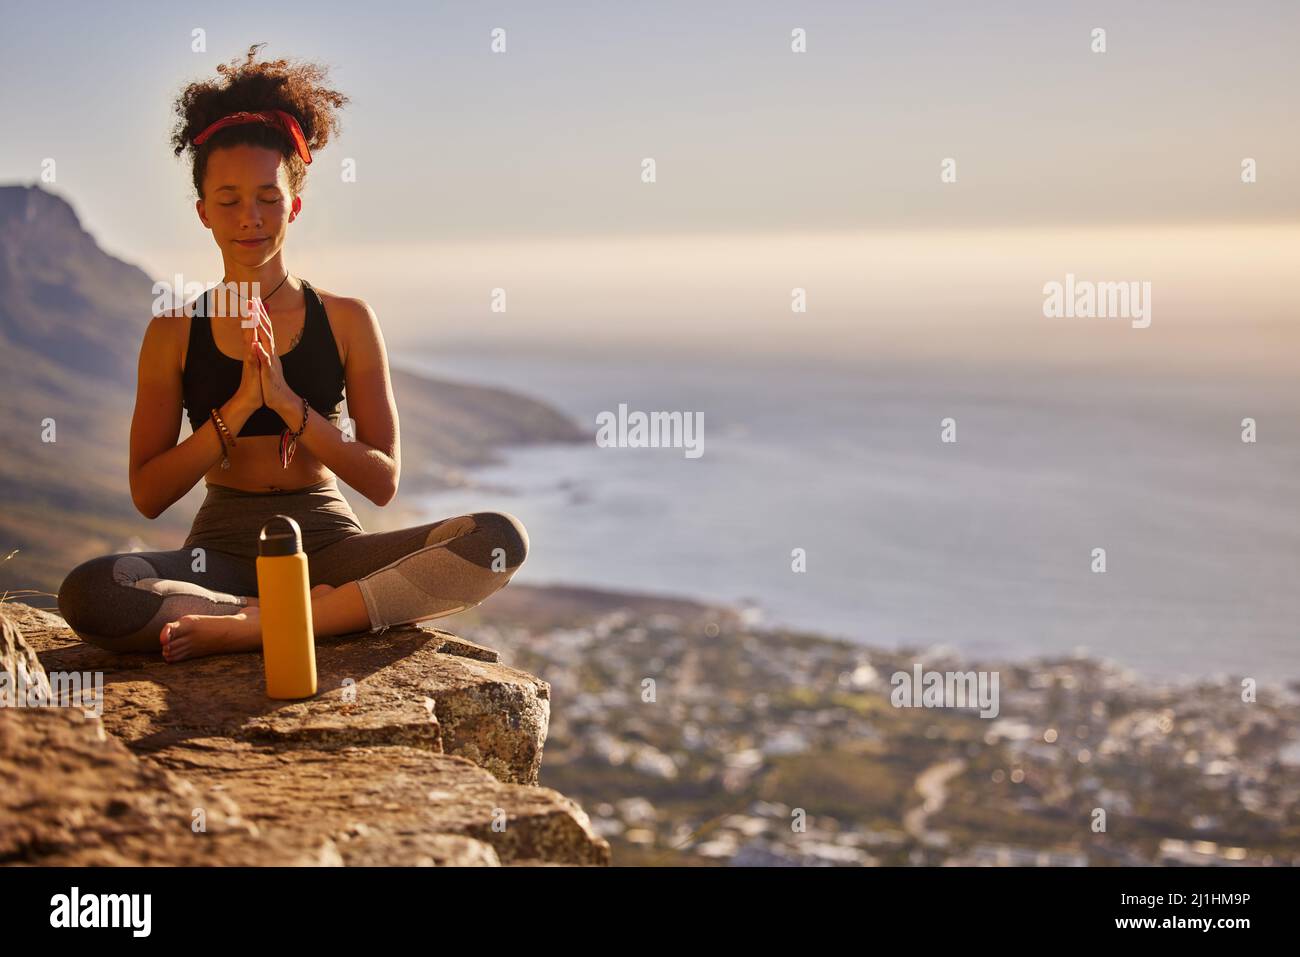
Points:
(420, 748)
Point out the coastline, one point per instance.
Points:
(691, 737)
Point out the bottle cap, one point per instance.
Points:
(280, 536)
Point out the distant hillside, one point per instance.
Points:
(71, 321)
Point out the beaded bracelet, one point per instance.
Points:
(223, 434)
(289, 440)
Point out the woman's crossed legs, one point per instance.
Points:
(196, 601)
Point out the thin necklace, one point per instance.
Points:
(273, 291)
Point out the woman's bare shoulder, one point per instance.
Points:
(352, 319)
(167, 335)
(348, 308)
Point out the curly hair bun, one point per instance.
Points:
(295, 87)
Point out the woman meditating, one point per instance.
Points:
(263, 388)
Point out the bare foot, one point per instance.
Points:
(193, 636)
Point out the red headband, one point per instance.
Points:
(280, 118)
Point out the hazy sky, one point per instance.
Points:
(474, 162)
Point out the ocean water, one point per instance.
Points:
(985, 545)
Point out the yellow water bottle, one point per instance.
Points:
(284, 597)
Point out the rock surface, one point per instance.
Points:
(420, 748)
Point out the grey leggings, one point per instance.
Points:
(120, 602)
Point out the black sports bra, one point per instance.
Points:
(311, 368)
